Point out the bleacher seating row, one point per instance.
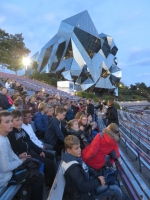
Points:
(135, 179)
(131, 127)
(138, 135)
(8, 192)
(35, 85)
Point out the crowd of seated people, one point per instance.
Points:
(69, 129)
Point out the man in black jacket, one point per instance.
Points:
(74, 107)
(4, 105)
(90, 108)
(112, 114)
(83, 182)
(23, 146)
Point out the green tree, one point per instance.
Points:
(141, 85)
(18, 51)
(5, 48)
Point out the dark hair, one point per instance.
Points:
(48, 99)
(88, 114)
(24, 112)
(16, 114)
(105, 103)
(24, 93)
(4, 114)
(24, 96)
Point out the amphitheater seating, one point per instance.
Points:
(8, 192)
(35, 85)
(138, 135)
(139, 153)
(136, 184)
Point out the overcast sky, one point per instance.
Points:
(127, 21)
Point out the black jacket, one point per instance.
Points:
(74, 109)
(53, 132)
(18, 88)
(112, 115)
(4, 102)
(21, 142)
(90, 109)
(99, 106)
(77, 176)
(80, 135)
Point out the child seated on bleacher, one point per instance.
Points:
(27, 118)
(9, 160)
(83, 182)
(21, 143)
(102, 145)
(41, 120)
(54, 135)
(73, 129)
(83, 121)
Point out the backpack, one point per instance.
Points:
(26, 173)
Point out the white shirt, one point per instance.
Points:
(8, 161)
(7, 85)
(30, 132)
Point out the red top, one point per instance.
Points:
(94, 154)
(10, 101)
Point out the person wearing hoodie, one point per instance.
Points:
(41, 120)
(83, 182)
(69, 113)
(18, 105)
(102, 145)
(73, 129)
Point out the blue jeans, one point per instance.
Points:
(93, 118)
(105, 121)
(111, 190)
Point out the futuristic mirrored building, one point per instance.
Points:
(79, 54)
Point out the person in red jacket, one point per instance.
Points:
(102, 145)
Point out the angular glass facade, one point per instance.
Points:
(78, 53)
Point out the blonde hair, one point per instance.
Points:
(60, 110)
(71, 140)
(41, 106)
(115, 129)
(78, 115)
(80, 120)
(70, 123)
(110, 102)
